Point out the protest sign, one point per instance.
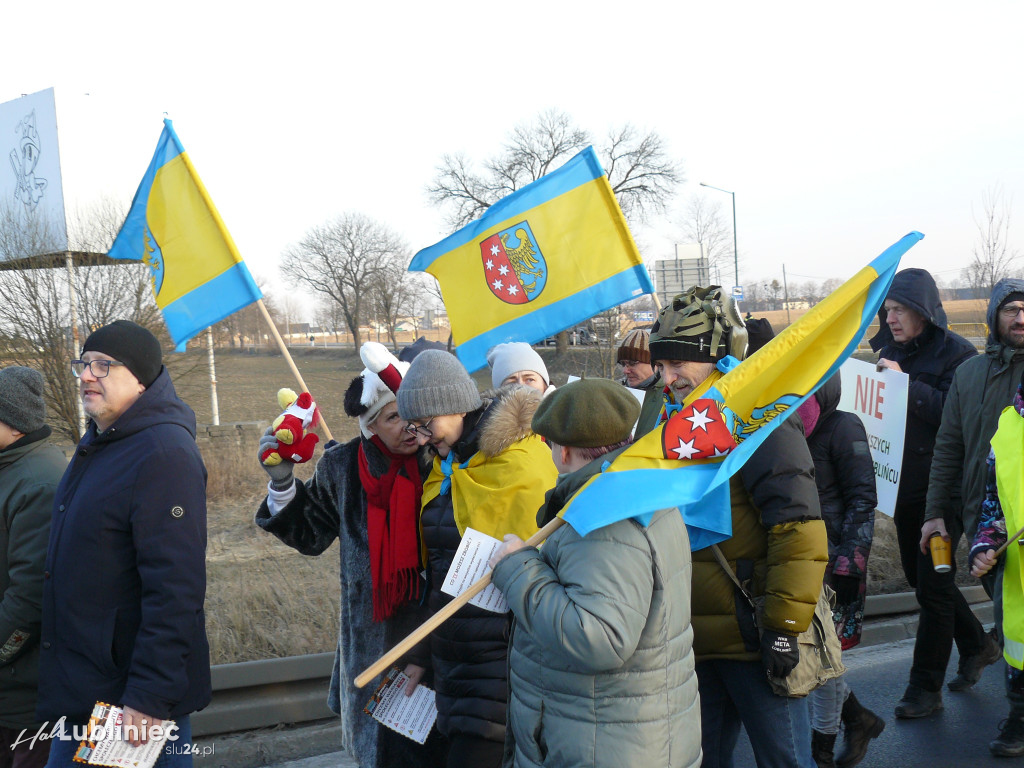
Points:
(879, 398)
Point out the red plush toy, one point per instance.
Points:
(292, 429)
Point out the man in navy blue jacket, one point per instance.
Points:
(125, 576)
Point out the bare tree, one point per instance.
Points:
(328, 316)
(394, 295)
(639, 170)
(754, 297)
(703, 222)
(342, 259)
(105, 291)
(642, 174)
(247, 326)
(35, 316)
(811, 292)
(993, 258)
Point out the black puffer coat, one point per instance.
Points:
(845, 476)
(930, 361)
(469, 652)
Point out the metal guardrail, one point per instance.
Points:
(261, 694)
(905, 602)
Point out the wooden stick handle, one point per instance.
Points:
(1015, 537)
(291, 363)
(384, 663)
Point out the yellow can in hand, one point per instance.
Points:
(942, 557)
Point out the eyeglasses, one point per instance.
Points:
(420, 431)
(630, 363)
(100, 369)
(1011, 310)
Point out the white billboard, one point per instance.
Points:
(30, 182)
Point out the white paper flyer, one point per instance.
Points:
(412, 716)
(107, 744)
(469, 565)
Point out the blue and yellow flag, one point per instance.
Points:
(546, 257)
(709, 436)
(198, 276)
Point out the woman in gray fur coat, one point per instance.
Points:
(366, 494)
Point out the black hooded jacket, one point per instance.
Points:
(845, 476)
(929, 360)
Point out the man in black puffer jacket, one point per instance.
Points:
(913, 338)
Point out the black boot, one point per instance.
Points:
(861, 725)
(1010, 742)
(970, 668)
(821, 749)
(917, 702)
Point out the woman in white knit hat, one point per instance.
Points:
(516, 362)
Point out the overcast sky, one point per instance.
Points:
(840, 127)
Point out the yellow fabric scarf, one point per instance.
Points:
(497, 494)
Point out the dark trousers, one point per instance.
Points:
(467, 751)
(945, 616)
(25, 754)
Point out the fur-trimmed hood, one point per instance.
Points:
(504, 419)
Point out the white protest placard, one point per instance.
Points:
(469, 565)
(412, 716)
(879, 398)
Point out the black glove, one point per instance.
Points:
(779, 653)
(847, 589)
(281, 477)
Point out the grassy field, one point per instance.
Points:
(266, 600)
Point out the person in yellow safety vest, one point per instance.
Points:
(1002, 510)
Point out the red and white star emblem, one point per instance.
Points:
(698, 431)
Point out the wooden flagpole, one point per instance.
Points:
(1015, 537)
(291, 363)
(384, 662)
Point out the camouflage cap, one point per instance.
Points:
(702, 325)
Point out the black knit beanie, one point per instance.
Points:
(130, 344)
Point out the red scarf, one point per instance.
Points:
(392, 523)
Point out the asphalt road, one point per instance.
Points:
(956, 736)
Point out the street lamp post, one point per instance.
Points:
(735, 256)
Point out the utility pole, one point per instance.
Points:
(785, 293)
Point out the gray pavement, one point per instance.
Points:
(877, 672)
(956, 736)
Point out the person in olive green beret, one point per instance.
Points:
(601, 649)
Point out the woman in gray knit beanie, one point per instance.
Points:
(490, 474)
(437, 391)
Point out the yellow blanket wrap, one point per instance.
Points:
(497, 494)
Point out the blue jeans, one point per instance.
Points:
(175, 754)
(735, 692)
(827, 705)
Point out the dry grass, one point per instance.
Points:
(263, 599)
